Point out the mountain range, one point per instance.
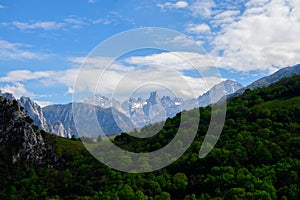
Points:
(266, 81)
(58, 119)
(136, 112)
(256, 157)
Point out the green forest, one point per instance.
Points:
(257, 157)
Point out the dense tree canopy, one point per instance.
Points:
(256, 157)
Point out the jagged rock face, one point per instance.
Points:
(52, 122)
(34, 111)
(136, 112)
(18, 137)
(154, 109)
(7, 95)
(60, 120)
(143, 112)
(217, 92)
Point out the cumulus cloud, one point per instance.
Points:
(202, 8)
(184, 41)
(17, 89)
(198, 28)
(122, 77)
(174, 60)
(170, 5)
(265, 37)
(70, 90)
(161, 79)
(100, 63)
(225, 17)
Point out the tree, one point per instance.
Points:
(126, 193)
(180, 181)
(163, 196)
(235, 194)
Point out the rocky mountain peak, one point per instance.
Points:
(218, 91)
(7, 95)
(19, 138)
(34, 111)
(153, 99)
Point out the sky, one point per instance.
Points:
(51, 50)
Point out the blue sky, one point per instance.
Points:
(43, 43)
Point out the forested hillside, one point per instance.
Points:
(256, 157)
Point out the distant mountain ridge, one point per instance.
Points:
(151, 110)
(134, 113)
(60, 119)
(267, 80)
(215, 93)
(284, 72)
(155, 108)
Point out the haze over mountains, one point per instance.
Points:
(136, 112)
(258, 147)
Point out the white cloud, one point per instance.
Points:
(265, 37)
(44, 103)
(25, 75)
(170, 5)
(74, 22)
(69, 22)
(10, 50)
(1, 6)
(174, 60)
(225, 17)
(182, 41)
(17, 89)
(46, 25)
(70, 90)
(198, 28)
(100, 63)
(113, 17)
(91, 1)
(202, 8)
(63, 77)
(121, 77)
(157, 78)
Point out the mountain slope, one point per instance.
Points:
(216, 92)
(60, 120)
(34, 111)
(265, 81)
(257, 157)
(19, 139)
(285, 72)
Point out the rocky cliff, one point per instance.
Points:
(19, 138)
